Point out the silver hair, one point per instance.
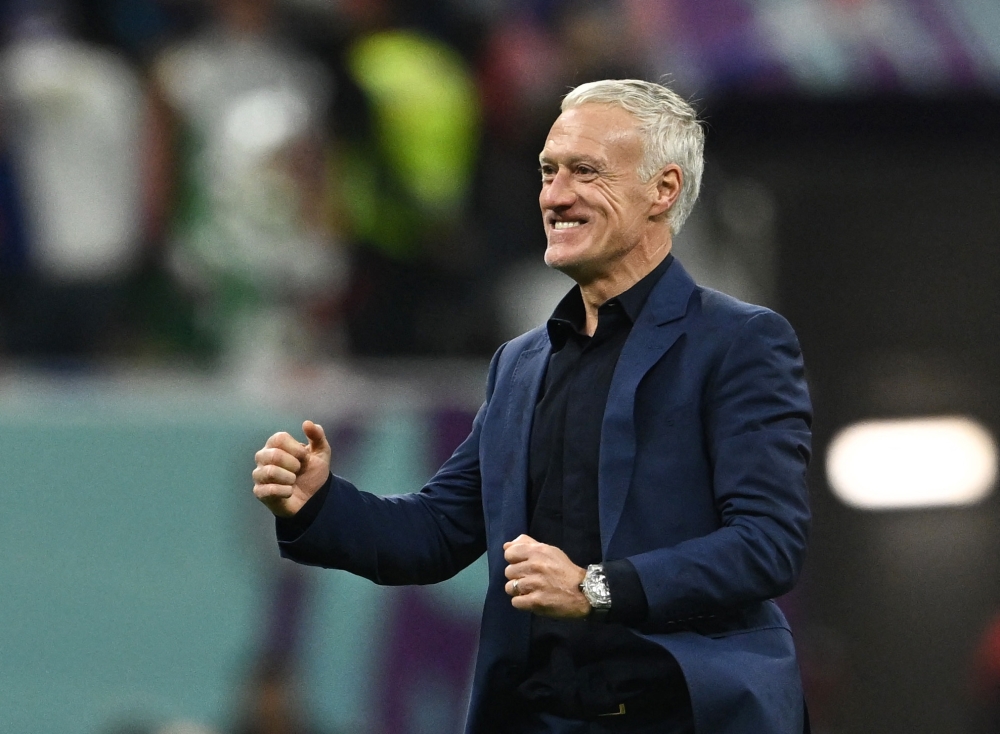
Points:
(670, 130)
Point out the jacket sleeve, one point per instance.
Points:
(757, 417)
(418, 538)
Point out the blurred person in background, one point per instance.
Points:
(74, 115)
(13, 245)
(270, 702)
(251, 237)
(636, 475)
(406, 141)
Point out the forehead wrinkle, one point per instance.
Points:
(616, 136)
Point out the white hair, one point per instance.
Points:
(669, 127)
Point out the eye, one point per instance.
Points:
(585, 171)
(547, 171)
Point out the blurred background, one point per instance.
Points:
(220, 217)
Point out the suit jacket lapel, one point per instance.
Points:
(659, 325)
(525, 383)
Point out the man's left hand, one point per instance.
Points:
(548, 582)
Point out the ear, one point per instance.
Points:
(668, 184)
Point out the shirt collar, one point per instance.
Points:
(571, 315)
(635, 297)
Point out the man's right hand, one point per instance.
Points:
(288, 473)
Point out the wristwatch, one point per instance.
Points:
(595, 587)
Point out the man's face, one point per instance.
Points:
(594, 206)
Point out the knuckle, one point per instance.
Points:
(273, 491)
(288, 463)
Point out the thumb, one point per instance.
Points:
(317, 437)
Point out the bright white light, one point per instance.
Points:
(920, 462)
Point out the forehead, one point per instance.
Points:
(594, 131)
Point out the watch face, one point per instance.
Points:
(595, 588)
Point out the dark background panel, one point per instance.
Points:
(889, 239)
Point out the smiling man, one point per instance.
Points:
(636, 474)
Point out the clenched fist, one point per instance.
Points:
(543, 580)
(288, 473)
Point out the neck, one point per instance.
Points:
(626, 274)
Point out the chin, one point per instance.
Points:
(563, 258)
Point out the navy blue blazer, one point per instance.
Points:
(702, 486)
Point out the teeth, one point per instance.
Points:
(565, 225)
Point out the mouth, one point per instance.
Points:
(564, 224)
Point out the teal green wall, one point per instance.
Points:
(133, 559)
(125, 588)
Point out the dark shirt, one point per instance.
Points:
(583, 667)
(566, 436)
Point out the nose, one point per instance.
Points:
(557, 192)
